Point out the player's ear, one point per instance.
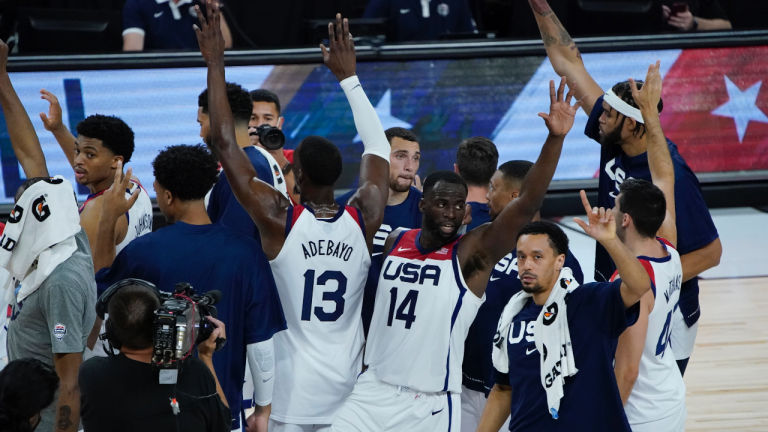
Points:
(421, 205)
(115, 160)
(625, 220)
(560, 261)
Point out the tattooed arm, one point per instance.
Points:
(68, 406)
(565, 56)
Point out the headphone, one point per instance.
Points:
(101, 310)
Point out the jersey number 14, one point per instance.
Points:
(409, 303)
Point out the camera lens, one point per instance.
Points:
(271, 138)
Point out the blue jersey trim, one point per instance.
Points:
(450, 411)
(360, 219)
(334, 218)
(397, 240)
(422, 249)
(463, 290)
(656, 260)
(289, 221)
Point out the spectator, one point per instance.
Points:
(476, 161)
(163, 25)
(49, 259)
(123, 392)
(412, 20)
(699, 15)
(27, 387)
(208, 256)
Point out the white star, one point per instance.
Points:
(384, 111)
(741, 106)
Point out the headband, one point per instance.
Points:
(619, 105)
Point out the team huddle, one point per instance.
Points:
(443, 306)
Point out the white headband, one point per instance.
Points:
(619, 105)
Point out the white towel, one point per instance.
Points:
(551, 335)
(39, 235)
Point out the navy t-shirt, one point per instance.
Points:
(695, 228)
(404, 215)
(163, 26)
(407, 23)
(210, 257)
(591, 400)
(480, 214)
(223, 206)
(478, 369)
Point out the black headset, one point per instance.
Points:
(103, 302)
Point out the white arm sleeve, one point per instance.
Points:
(261, 359)
(366, 120)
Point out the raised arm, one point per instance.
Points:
(635, 281)
(498, 238)
(24, 140)
(659, 159)
(266, 206)
(53, 124)
(564, 55)
(373, 191)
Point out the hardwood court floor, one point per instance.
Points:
(727, 378)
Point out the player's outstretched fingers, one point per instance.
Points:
(561, 90)
(347, 36)
(569, 96)
(339, 29)
(601, 214)
(201, 19)
(584, 226)
(552, 98)
(585, 202)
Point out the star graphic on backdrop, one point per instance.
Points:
(741, 106)
(384, 111)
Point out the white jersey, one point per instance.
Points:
(139, 223)
(422, 316)
(320, 275)
(659, 391)
(278, 181)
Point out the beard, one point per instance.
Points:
(611, 138)
(532, 289)
(433, 228)
(395, 185)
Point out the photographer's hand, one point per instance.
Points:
(205, 353)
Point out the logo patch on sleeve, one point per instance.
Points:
(59, 330)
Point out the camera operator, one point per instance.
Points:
(123, 391)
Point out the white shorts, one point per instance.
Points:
(472, 406)
(375, 406)
(276, 426)
(683, 337)
(673, 423)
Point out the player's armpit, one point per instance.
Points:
(630, 349)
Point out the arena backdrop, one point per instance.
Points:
(715, 108)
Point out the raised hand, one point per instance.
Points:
(340, 58)
(559, 121)
(52, 121)
(647, 98)
(115, 203)
(209, 34)
(3, 56)
(601, 226)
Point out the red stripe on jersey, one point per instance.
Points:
(666, 242)
(408, 249)
(646, 265)
(615, 276)
(297, 211)
(91, 198)
(356, 215)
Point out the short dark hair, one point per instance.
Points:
(239, 102)
(113, 133)
(476, 159)
(27, 386)
(645, 202)
(132, 314)
(263, 95)
(442, 176)
(187, 171)
(401, 133)
(516, 170)
(557, 238)
(320, 160)
(624, 91)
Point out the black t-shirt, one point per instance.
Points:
(707, 9)
(120, 394)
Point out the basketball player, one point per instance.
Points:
(319, 247)
(476, 161)
(617, 126)
(650, 384)
(102, 143)
(477, 369)
(431, 287)
(402, 209)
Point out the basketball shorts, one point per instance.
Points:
(472, 406)
(375, 406)
(683, 337)
(276, 426)
(673, 423)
